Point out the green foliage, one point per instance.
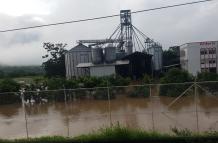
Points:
(171, 56)
(118, 80)
(175, 76)
(141, 91)
(55, 83)
(9, 85)
(118, 134)
(20, 71)
(55, 64)
(207, 76)
(146, 79)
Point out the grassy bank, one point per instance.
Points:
(120, 134)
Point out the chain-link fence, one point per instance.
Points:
(70, 112)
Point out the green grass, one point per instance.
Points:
(122, 134)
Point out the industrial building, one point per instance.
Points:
(123, 53)
(78, 54)
(199, 57)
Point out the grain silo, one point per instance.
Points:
(110, 54)
(157, 55)
(97, 55)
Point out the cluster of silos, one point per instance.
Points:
(103, 55)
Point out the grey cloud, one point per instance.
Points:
(173, 26)
(24, 38)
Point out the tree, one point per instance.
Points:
(175, 76)
(9, 85)
(55, 64)
(171, 56)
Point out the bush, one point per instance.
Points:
(9, 85)
(206, 76)
(146, 79)
(141, 91)
(175, 76)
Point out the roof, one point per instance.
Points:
(85, 65)
(198, 42)
(80, 47)
(137, 54)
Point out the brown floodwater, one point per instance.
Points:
(86, 115)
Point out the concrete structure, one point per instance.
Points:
(157, 56)
(78, 54)
(103, 69)
(199, 57)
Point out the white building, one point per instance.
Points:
(199, 57)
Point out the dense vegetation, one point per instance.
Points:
(20, 71)
(9, 85)
(54, 65)
(171, 56)
(175, 76)
(206, 76)
(56, 83)
(41, 83)
(123, 134)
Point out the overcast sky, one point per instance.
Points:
(170, 27)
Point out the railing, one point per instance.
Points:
(70, 112)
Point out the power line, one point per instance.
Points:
(102, 17)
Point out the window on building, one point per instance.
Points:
(212, 51)
(202, 52)
(213, 70)
(213, 61)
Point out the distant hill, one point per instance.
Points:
(19, 71)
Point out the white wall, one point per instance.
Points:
(102, 71)
(194, 60)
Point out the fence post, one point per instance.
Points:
(109, 103)
(196, 106)
(152, 108)
(24, 109)
(65, 96)
(66, 108)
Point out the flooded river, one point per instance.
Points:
(83, 116)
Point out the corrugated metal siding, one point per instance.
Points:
(78, 54)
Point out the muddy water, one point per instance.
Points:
(83, 116)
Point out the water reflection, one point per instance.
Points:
(81, 115)
(9, 111)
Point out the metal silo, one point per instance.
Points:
(97, 55)
(129, 47)
(120, 55)
(110, 54)
(157, 55)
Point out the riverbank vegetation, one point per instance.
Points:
(20, 71)
(123, 134)
(41, 83)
